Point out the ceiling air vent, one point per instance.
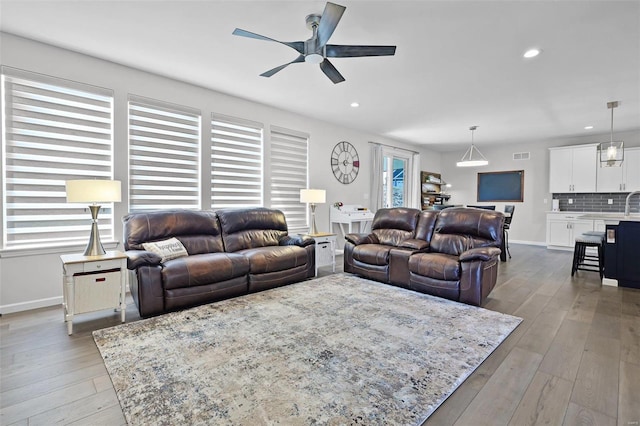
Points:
(521, 155)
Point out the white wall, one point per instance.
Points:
(529, 221)
(30, 280)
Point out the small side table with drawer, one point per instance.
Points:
(93, 283)
(325, 249)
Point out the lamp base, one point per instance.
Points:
(314, 228)
(94, 248)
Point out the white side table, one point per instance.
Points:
(93, 283)
(325, 249)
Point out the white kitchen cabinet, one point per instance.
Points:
(563, 228)
(632, 169)
(573, 168)
(621, 179)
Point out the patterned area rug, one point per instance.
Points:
(334, 350)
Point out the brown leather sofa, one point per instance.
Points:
(451, 253)
(230, 253)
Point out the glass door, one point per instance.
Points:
(394, 180)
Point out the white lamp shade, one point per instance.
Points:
(316, 196)
(93, 191)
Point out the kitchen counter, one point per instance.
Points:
(611, 218)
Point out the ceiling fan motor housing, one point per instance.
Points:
(313, 52)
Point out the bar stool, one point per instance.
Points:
(588, 262)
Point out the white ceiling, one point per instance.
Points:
(457, 64)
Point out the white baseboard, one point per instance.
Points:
(528, 243)
(610, 282)
(31, 304)
(560, 248)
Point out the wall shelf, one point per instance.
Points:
(431, 185)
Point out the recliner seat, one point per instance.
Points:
(369, 255)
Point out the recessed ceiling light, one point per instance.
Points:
(588, 127)
(532, 53)
(354, 105)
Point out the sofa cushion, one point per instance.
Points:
(251, 228)
(274, 258)
(439, 266)
(198, 231)
(393, 225)
(372, 254)
(202, 269)
(460, 229)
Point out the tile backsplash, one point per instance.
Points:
(597, 202)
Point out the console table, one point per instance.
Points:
(350, 214)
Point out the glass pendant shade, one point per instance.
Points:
(612, 152)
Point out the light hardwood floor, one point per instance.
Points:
(575, 359)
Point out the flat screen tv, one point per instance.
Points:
(501, 186)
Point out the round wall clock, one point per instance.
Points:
(345, 162)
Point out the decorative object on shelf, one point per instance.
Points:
(611, 153)
(313, 197)
(93, 191)
(316, 50)
(468, 159)
(345, 162)
(338, 204)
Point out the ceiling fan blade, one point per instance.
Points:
(331, 72)
(297, 45)
(342, 51)
(330, 18)
(281, 67)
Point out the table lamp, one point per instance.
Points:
(313, 197)
(93, 191)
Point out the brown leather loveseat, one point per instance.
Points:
(227, 253)
(451, 253)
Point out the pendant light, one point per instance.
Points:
(469, 159)
(611, 153)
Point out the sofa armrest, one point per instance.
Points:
(481, 253)
(137, 258)
(415, 244)
(297, 240)
(357, 239)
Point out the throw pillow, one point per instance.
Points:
(167, 249)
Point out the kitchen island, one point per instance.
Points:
(622, 248)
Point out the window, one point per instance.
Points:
(54, 130)
(236, 162)
(289, 159)
(164, 155)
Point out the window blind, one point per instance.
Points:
(164, 152)
(289, 165)
(236, 162)
(54, 130)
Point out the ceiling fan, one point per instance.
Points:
(316, 50)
